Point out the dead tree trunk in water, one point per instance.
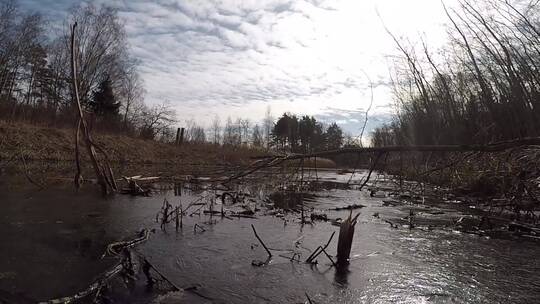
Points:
(107, 183)
(346, 235)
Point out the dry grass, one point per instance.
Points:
(50, 144)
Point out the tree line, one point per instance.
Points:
(35, 87)
(484, 86)
(305, 134)
(35, 78)
(288, 134)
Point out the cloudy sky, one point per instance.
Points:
(236, 58)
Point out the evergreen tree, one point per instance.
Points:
(104, 103)
(334, 137)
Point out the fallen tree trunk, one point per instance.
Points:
(493, 147)
(264, 162)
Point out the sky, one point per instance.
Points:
(237, 58)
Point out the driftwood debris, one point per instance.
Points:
(201, 228)
(92, 289)
(133, 188)
(346, 235)
(269, 161)
(349, 207)
(95, 287)
(116, 248)
(261, 241)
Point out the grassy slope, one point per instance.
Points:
(42, 143)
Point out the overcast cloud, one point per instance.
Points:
(235, 58)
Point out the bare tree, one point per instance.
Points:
(245, 125)
(131, 91)
(229, 133)
(268, 125)
(257, 137)
(156, 120)
(216, 130)
(103, 48)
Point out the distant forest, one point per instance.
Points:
(35, 86)
(35, 76)
(484, 86)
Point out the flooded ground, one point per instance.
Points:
(53, 240)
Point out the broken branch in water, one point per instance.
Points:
(134, 188)
(147, 265)
(93, 288)
(113, 249)
(308, 298)
(262, 243)
(273, 160)
(319, 249)
(349, 207)
(329, 257)
(117, 247)
(198, 226)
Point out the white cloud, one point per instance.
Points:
(237, 57)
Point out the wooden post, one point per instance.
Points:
(181, 137)
(177, 137)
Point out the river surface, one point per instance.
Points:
(52, 242)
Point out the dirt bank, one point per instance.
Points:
(51, 151)
(42, 143)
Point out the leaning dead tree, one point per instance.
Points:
(104, 174)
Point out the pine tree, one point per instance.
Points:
(104, 103)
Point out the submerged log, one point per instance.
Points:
(134, 188)
(115, 248)
(349, 207)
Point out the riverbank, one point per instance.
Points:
(46, 154)
(38, 143)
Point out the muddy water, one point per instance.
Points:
(52, 242)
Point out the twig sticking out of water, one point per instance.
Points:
(319, 249)
(262, 243)
(176, 219)
(165, 213)
(146, 269)
(308, 298)
(198, 226)
(329, 257)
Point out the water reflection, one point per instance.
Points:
(341, 276)
(52, 242)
